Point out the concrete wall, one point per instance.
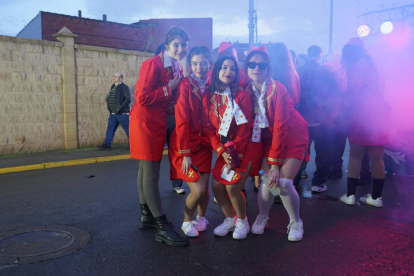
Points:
(33, 29)
(52, 94)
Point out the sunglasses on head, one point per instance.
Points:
(253, 65)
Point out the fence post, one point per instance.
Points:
(70, 122)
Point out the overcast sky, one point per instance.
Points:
(298, 23)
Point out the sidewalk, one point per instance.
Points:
(60, 158)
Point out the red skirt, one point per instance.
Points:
(252, 154)
(298, 152)
(201, 159)
(296, 144)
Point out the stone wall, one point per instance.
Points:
(36, 107)
(30, 95)
(95, 69)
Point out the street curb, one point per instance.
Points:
(67, 163)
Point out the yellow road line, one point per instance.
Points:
(68, 163)
(111, 158)
(22, 168)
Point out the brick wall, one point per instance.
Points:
(144, 35)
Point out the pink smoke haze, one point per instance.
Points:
(394, 57)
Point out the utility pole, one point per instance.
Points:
(330, 29)
(251, 22)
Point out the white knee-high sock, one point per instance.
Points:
(290, 198)
(265, 200)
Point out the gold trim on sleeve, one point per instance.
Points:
(275, 160)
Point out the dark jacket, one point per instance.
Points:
(123, 98)
(319, 93)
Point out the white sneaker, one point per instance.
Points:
(189, 229)
(200, 223)
(179, 190)
(227, 226)
(295, 231)
(319, 189)
(241, 230)
(215, 200)
(349, 200)
(367, 199)
(259, 224)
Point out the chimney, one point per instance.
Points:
(79, 13)
(104, 17)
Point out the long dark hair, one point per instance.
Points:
(216, 84)
(351, 54)
(159, 49)
(283, 68)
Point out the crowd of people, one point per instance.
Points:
(258, 120)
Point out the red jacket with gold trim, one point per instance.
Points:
(148, 117)
(188, 136)
(287, 127)
(239, 134)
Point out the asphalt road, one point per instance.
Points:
(102, 199)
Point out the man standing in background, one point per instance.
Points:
(118, 100)
(319, 99)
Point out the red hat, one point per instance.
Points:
(255, 48)
(223, 46)
(356, 41)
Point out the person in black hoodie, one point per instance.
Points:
(318, 98)
(118, 100)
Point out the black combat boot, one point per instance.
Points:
(166, 234)
(147, 219)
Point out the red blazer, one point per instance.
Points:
(188, 134)
(239, 134)
(148, 117)
(287, 128)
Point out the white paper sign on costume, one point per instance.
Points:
(227, 176)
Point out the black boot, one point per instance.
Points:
(147, 219)
(166, 234)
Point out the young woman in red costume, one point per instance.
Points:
(227, 111)
(157, 83)
(190, 153)
(284, 134)
(369, 120)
